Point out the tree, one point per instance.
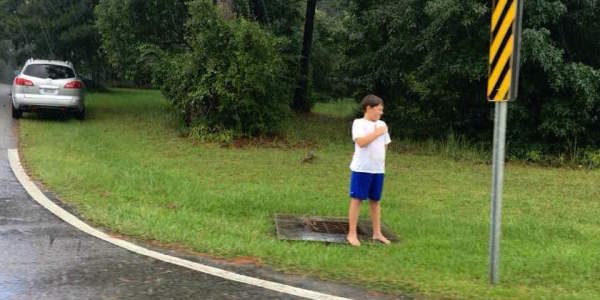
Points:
(328, 80)
(54, 29)
(126, 26)
(301, 103)
(5, 54)
(229, 80)
(428, 59)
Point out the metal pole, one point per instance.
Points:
(496, 199)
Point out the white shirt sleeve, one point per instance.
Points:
(358, 130)
(386, 137)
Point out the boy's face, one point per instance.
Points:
(374, 113)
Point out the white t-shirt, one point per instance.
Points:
(371, 158)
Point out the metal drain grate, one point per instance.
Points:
(334, 230)
(327, 226)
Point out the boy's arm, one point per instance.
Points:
(388, 140)
(366, 140)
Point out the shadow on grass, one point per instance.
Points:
(50, 115)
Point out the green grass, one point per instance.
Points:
(126, 168)
(340, 108)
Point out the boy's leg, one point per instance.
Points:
(359, 188)
(353, 213)
(375, 211)
(375, 191)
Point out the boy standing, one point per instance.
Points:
(370, 136)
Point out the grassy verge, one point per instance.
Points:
(126, 168)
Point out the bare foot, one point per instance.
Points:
(382, 239)
(353, 241)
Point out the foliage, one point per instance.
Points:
(4, 71)
(53, 29)
(231, 77)
(591, 159)
(5, 47)
(205, 134)
(285, 19)
(428, 59)
(328, 78)
(282, 17)
(5, 68)
(222, 75)
(125, 26)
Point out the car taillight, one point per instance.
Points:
(23, 81)
(73, 85)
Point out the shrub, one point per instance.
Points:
(428, 60)
(229, 79)
(591, 159)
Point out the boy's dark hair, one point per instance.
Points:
(371, 101)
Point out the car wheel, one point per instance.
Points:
(80, 115)
(16, 113)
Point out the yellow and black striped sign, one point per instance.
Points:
(505, 43)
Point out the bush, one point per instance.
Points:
(428, 60)
(125, 25)
(591, 159)
(213, 135)
(231, 77)
(4, 72)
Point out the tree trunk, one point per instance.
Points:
(259, 11)
(301, 103)
(227, 7)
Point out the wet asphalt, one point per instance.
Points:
(42, 257)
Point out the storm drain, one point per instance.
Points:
(323, 229)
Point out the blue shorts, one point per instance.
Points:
(366, 185)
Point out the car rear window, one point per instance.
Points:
(49, 71)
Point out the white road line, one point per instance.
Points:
(37, 195)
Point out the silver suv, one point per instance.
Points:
(47, 84)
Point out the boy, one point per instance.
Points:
(370, 136)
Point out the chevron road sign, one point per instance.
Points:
(505, 43)
(503, 81)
